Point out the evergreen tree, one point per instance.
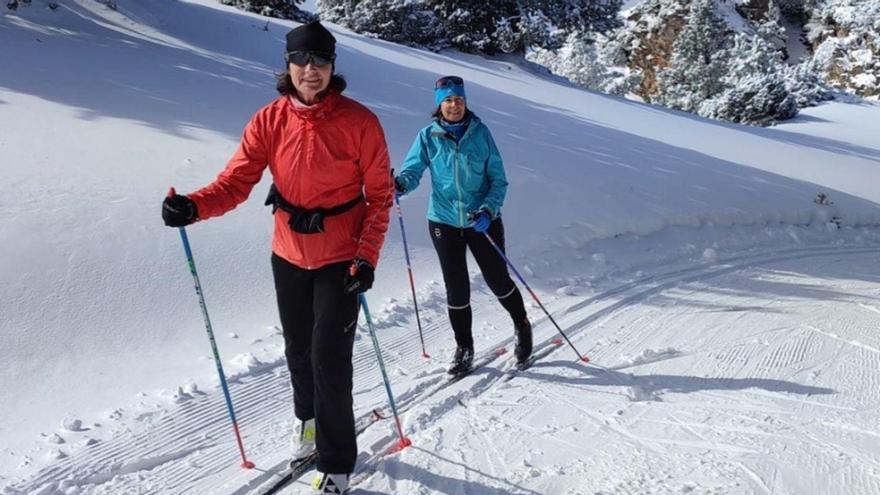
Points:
(757, 100)
(283, 9)
(698, 61)
(806, 83)
(581, 16)
(401, 21)
(486, 26)
(473, 25)
(542, 18)
(756, 92)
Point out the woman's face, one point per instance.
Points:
(309, 79)
(453, 108)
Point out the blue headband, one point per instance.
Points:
(441, 94)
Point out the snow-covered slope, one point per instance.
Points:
(103, 110)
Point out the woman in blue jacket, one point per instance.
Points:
(469, 185)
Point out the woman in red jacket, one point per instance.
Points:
(331, 193)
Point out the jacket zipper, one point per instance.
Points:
(308, 145)
(455, 162)
(458, 185)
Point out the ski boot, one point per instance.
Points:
(522, 332)
(303, 441)
(463, 361)
(330, 483)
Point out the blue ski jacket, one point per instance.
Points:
(466, 176)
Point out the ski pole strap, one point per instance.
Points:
(303, 220)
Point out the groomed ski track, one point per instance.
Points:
(189, 448)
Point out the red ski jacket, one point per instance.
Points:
(320, 156)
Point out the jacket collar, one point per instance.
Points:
(319, 110)
(437, 130)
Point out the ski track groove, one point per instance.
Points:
(487, 441)
(210, 415)
(606, 425)
(823, 456)
(631, 326)
(785, 355)
(645, 288)
(211, 420)
(751, 474)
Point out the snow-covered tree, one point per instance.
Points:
(846, 39)
(586, 61)
(794, 9)
(577, 60)
(698, 61)
(757, 100)
(806, 83)
(597, 16)
(486, 26)
(746, 81)
(401, 21)
(283, 9)
(547, 24)
(479, 25)
(755, 85)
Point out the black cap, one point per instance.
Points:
(311, 37)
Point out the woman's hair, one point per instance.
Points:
(285, 86)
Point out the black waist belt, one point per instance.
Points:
(305, 221)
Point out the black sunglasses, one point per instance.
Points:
(318, 59)
(448, 82)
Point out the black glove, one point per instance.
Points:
(359, 277)
(179, 211)
(398, 186)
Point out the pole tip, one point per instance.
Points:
(585, 359)
(400, 445)
(425, 355)
(248, 465)
(171, 192)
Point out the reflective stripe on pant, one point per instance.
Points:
(451, 244)
(319, 322)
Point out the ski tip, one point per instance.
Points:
(500, 351)
(557, 341)
(248, 465)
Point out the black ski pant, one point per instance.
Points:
(451, 244)
(318, 320)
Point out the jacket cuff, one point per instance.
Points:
(372, 260)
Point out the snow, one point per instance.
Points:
(731, 320)
(795, 47)
(309, 6)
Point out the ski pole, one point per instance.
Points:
(412, 283)
(535, 297)
(192, 268)
(404, 442)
